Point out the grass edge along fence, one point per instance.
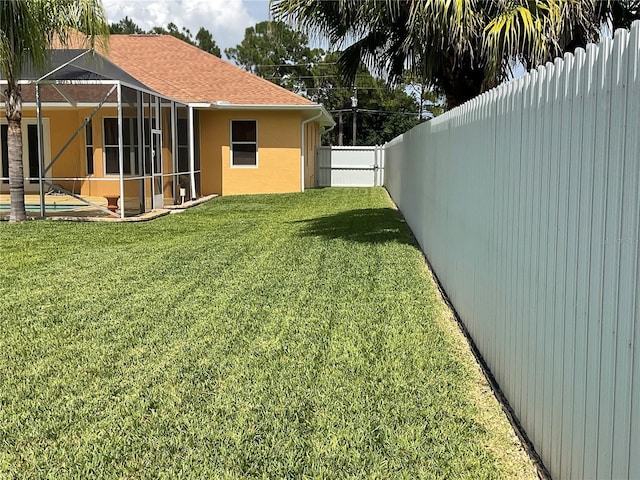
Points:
(526, 200)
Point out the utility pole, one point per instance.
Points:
(354, 106)
(340, 129)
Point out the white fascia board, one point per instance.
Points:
(326, 119)
(64, 106)
(101, 82)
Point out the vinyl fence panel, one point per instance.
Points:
(526, 200)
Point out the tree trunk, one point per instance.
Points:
(463, 81)
(13, 97)
(463, 88)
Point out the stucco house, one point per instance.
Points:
(152, 120)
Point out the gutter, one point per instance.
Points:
(224, 105)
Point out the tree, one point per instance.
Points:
(172, 29)
(274, 51)
(461, 47)
(27, 30)
(430, 101)
(205, 42)
(126, 26)
(382, 112)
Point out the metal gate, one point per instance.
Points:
(350, 166)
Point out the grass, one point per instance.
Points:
(288, 336)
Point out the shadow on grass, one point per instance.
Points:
(368, 225)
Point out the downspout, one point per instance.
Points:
(302, 147)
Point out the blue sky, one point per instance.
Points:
(225, 19)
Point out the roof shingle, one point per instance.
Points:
(184, 72)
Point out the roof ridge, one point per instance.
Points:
(242, 70)
(183, 71)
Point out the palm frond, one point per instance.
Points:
(524, 32)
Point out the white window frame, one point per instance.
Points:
(46, 131)
(181, 146)
(231, 142)
(104, 148)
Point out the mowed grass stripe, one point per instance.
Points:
(283, 336)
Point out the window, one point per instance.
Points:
(183, 145)
(129, 143)
(30, 150)
(34, 155)
(244, 143)
(4, 132)
(88, 142)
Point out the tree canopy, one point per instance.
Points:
(382, 112)
(462, 47)
(204, 41)
(280, 54)
(126, 26)
(275, 51)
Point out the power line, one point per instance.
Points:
(346, 88)
(310, 64)
(368, 110)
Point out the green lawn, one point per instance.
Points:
(285, 336)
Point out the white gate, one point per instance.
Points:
(350, 166)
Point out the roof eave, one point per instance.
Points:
(325, 120)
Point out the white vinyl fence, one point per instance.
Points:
(526, 201)
(350, 166)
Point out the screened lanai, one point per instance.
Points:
(94, 133)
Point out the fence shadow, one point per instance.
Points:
(367, 225)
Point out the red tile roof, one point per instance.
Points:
(184, 72)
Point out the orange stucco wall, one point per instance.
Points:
(62, 123)
(278, 167)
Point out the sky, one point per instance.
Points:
(225, 19)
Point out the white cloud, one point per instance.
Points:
(225, 19)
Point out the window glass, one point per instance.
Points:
(129, 143)
(196, 144)
(183, 145)
(34, 162)
(244, 131)
(244, 154)
(4, 129)
(244, 146)
(111, 131)
(88, 141)
(111, 160)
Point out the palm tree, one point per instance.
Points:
(27, 29)
(461, 47)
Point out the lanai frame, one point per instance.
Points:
(156, 102)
